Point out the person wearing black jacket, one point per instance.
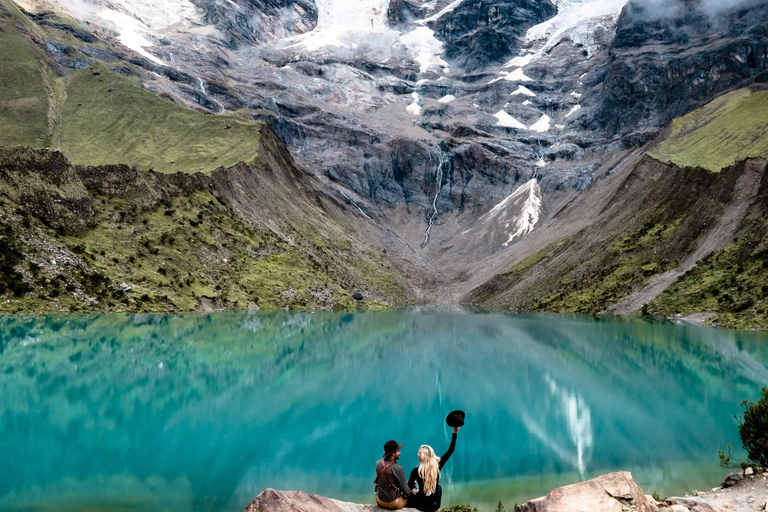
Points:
(430, 495)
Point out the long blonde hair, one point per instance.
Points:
(429, 469)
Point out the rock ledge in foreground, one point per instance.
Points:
(612, 492)
(299, 501)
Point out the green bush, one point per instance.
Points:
(463, 507)
(754, 430)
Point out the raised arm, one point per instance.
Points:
(447, 455)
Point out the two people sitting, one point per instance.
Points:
(422, 491)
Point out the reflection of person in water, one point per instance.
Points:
(430, 495)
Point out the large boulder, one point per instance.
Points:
(299, 501)
(613, 492)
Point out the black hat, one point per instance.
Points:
(391, 447)
(455, 419)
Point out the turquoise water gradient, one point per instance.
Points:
(201, 413)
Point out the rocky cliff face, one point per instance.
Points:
(480, 33)
(376, 95)
(666, 63)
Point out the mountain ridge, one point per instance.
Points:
(406, 150)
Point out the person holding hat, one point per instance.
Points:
(430, 494)
(392, 491)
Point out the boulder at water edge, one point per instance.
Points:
(299, 501)
(613, 492)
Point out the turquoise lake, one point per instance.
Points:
(201, 413)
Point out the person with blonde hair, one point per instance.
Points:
(430, 495)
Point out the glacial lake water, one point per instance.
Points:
(200, 413)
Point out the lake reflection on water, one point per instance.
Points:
(201, 413)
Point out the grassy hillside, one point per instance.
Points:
(97, 116)
(731, 283)
(120, 239)
(24, 95)
(731, 128)
(110, 118)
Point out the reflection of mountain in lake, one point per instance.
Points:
(212, 409)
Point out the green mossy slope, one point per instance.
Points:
(97, 116)
(24, 96)
(727, 130)
(110, 118)
(115, 238)
(731, 283)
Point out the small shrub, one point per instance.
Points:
(754, 430)
(500, 507)
(463, 507)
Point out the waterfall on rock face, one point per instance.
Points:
(222, 109)
(438, 188)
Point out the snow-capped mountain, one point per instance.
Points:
(430, 114)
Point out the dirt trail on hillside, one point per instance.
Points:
(719, 236)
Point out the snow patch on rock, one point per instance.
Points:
(520, 61)
(130, 30)
(448, 98)
(425, 49)
(339, 20)
(578, 20)
(507, 121)
(414, 108)
(575, 109)
(134, 20)
(353, 23)
(449, 8)
(518, 76)
(530, 212)
(542, 125)
(521, 90)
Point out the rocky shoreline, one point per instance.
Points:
(745, 490)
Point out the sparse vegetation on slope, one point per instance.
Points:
(120, 239)
(110, 118)
(732, 282)
(24, 98)
(701, 235)
(729, 129)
